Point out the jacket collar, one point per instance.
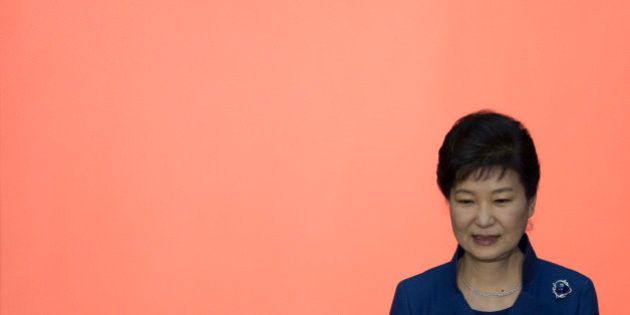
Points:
(525, 303)
(529, 261)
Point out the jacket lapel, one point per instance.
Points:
(526, 304)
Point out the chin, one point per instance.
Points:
(487, 257)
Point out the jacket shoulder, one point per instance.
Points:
(430, 279)
(421, 293)
(548, 271)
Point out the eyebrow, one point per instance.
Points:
(496, 191)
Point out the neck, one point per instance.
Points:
(492, 275)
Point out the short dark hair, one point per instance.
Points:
(484, 140)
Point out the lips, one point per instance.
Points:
(485, 240)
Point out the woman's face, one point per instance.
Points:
(489, 215)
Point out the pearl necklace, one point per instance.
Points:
(501, 293)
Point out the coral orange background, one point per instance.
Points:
(278, 157)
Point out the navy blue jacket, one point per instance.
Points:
(435, 291)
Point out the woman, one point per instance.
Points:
(488, 171)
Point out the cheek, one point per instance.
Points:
(514, 220)
(461, 219)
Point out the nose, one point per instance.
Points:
(485, 216)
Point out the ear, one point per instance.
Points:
(531, 206)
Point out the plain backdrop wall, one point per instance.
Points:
(278, 157)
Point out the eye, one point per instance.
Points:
(502, 201)
(465, 201)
